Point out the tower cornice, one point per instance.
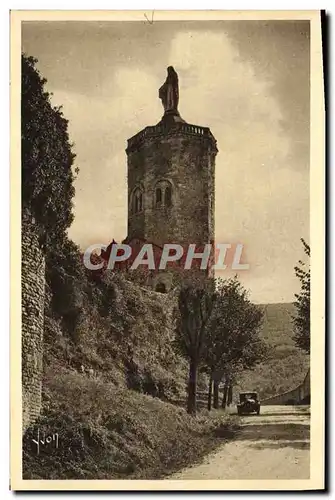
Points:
(165, 130)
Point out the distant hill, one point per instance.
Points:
(287, 365)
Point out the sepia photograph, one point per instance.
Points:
(167, 176)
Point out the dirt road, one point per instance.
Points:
(273, 445)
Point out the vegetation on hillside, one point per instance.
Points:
(110, 326)
(286, 364)
(287, 330)
(105, 432)
(301, 318)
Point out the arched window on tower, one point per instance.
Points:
(163, 194)
(158, 197)
(137, 201)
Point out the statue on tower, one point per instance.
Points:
(169, 91)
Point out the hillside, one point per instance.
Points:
(112, 433)
(118, 332)
(286, 365)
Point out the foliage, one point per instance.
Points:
(47, 156)
(195, 305)
(301, 319)
(67, 282)
(110, 433)
(232, 341)
(218, 329)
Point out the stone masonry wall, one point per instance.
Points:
(33, 290)
(295, 396)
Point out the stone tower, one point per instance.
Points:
(171, 173)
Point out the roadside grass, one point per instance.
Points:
(107, 432)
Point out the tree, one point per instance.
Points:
(195, 305)
(301, 320)
(47, 157)
(232, 341)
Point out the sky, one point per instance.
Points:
(246, 80)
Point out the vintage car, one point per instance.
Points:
(249, 403)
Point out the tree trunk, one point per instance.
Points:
(192, 388)
(224, 397)
(210, 389)
(216, 394)
(230, 395)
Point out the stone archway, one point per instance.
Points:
(160, 287)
